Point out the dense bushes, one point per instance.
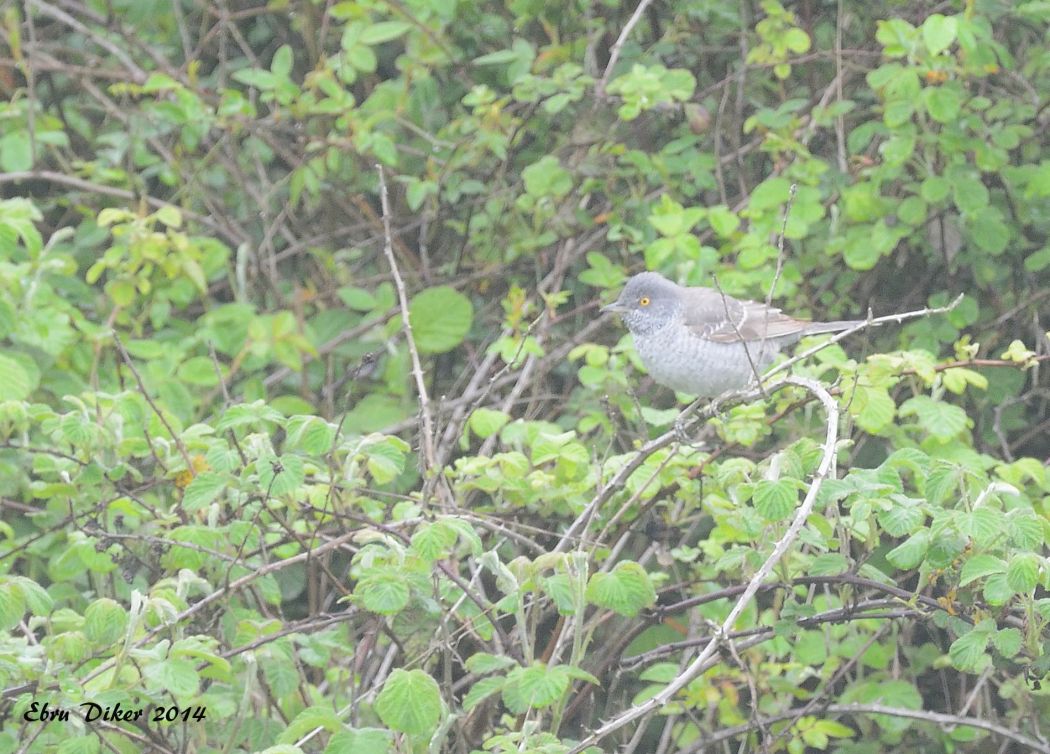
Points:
(232, 502)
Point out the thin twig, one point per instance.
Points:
(614, 53)
(739, 336)
(427, 429)
(145, 394)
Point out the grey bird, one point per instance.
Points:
(701, 342)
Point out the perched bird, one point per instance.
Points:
(698, 341)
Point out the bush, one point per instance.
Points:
(244, 501)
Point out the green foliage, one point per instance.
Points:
(217, 500)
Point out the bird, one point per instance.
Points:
(703, 342)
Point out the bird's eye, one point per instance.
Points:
(643, 301)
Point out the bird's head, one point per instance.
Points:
(647, 303)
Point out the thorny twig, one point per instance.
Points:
(426, 418)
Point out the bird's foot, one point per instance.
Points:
(680, 432)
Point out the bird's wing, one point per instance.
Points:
(724, 319)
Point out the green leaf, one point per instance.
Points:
(173, 676)
(941, 480)
(562, 590)
(536, 686)
(203, 490)
(828, 564)
(723, 220)
(198, 370)
(771, 193)
(105, 621)
(942, 420)
(1008, 641)
(942, 103)
(15, 152)
(985, 525)
(384, 31)
(361, 741)
(905, 517)
(872, 407)
(311, 434)
(483, 662)
(410, 702)
(15, 383)
(169, 215)
(434, 541)
(989, 231)
(547, 178)
(935, 188)
(485, 422)
(968, 653)
(441, 317)
(308, 720)
(280, 476)
(969, 193)
(482, 690)
(625, 590)
(775, 499)
(383, 590)
(910, 553)
(281, 64)
(980, 566)
(938, 32)
(12, 605)
(1022, 575)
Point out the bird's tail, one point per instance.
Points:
(815, 328)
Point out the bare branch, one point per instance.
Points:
(426, 418)
(614, 54)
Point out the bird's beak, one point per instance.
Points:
(615, 306)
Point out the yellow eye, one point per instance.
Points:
(643, 301)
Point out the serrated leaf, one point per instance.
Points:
(536, 686)
(625, 590)
(12, 605)
(942, 420)
(872, 407)
(775, 500)
(174, 676)
(15, 384)
(985, 524)
(482, 690)
(433, 541)
(1022, 575)
(483, 662)
(910, 553)
(282, 475)
(560, 589)
(968, 653)
(311, 434)
(105, 621)
(410, 702)
(383, 590)
(980, 566)
(903, 518)
(360, 741)
(204, 488)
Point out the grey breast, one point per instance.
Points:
(677, 357)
